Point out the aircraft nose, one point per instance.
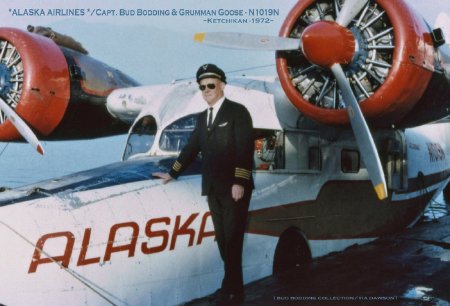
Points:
(121, 104)
(113, 102)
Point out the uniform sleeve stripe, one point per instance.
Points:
(244, 170)
(242, 173)
(176, 166)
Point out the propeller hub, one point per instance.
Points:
(325, 43)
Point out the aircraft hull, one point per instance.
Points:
(117, 236)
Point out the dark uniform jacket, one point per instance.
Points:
(227, 149)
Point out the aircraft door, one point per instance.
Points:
(268, 153)
(396, 162)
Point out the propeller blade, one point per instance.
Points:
(247, 41)
(363, 137)
(349, 11)
(21, 126)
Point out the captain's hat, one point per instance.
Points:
(210, 71)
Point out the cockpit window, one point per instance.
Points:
(146, 125)
(175, 136)
(141, 137)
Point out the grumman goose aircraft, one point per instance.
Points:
(324, 181)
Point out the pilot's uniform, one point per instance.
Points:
(227, 159)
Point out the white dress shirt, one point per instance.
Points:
(215, 110)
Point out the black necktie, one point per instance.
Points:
(210, 118)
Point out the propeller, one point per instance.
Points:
(337, 46)
(248, 41)
(349, 11)
(362, 133)
(21, 126)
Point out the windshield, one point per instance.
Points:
(175, 136)
(141, 137)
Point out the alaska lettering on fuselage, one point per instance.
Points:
(172, 228)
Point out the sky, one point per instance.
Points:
(152, 49)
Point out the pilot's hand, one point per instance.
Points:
(164, 176)
(237, 192)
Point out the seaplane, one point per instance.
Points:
(352, 141)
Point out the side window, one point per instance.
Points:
(141, 137)
(350, 161)
(176, 135)
(315, 158)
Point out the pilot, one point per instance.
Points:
(224, 136)
(147, 126)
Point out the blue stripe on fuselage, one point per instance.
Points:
(106, 176)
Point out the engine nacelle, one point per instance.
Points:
(392, 66)
(58, 91)
(34, 81)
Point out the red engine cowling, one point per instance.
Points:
(59, 91)
(34, 81)
(390, 70)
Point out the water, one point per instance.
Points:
(21, 165)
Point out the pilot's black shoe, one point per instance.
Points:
(215, 296)
(230, 299)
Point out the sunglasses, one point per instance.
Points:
(210, 86)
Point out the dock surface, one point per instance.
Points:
(409, 268)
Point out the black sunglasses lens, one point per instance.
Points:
(210, 86)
